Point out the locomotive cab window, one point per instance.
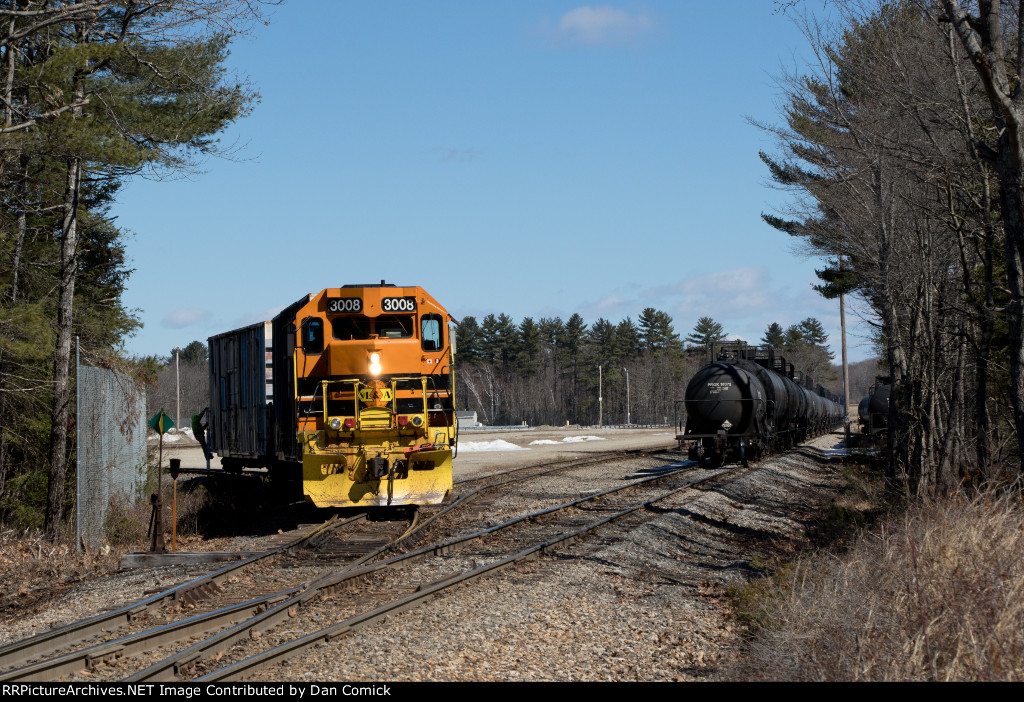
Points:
(397, 326)
(430, 332)
(350, 328)
(312, 335)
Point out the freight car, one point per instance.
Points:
(349, 390)
(748, 401)
(873, 409)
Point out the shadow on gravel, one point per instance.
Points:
(658, 470)
(725, 525)
(245, 505)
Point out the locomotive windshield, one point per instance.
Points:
(350, 328)
(362, 328)
(399, 326)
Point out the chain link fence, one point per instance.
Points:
(111, 447)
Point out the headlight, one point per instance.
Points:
(335, 423)
(375, 363)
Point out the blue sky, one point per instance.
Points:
(532, 158)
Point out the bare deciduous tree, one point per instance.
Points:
(881, 147)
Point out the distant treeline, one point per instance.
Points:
(550, 371)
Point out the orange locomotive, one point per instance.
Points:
(355, 390)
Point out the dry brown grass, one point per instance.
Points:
(33, 569)
(935, 594)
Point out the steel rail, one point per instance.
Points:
(574, 462)
(562, 464)
(19, 653)
(268, 609)
(169, 669)
(198, 625)
(240, 670)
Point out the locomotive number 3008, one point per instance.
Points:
(345, 304)
(398, 304)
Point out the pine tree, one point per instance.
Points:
(95, 91)
(774, 336)
(656, 331)
(552, 329)
(628, 339)
(814, 332)
(195, 353)
(604, 342)
(706, 331)
(528, 352)
(793, 337)
(467, 341)
(498, 340)
(572, 346)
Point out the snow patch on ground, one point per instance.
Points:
(172, 435)
(496, 445)
(566, 440)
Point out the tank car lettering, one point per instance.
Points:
(344, 304)
(715, 388)
(398, 304)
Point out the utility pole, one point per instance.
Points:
(600, 399)
(627, 396)
(177, 390)
(846, 367)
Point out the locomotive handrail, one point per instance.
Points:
(357, 382)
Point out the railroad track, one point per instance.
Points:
(555, 465)
(19, 653)
(491, 484)
(246, 617)
(378, 582)
(458, 562)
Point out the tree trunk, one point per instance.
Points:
(1008, 166)
(62, 353)
(4, 362)
(8, 120)
(982, 37)
(987, 324)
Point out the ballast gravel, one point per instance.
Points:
(644, 602)
(649, 605)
